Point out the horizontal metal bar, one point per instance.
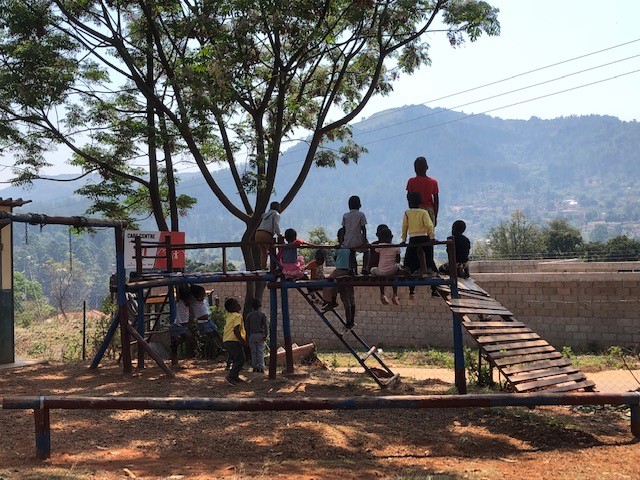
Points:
(319, 403)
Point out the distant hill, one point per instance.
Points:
(586, 169)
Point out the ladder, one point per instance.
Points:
(382, 375)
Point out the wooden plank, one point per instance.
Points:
(498, 331)
(514, 345)
(469, 284)
(481, 311)
(587, 384)
(507, 338)
(474, 302)
(525, 377)
(522, 351)
(529, 367)
(503, 362)
(491, 323)
(524, 387)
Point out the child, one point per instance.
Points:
(416, 223)
(355, 232)
(269, 226)
(427, 187)
(316, 266)
(256, 327)
(462, 246)
(347, 294)
(178, 329)
(201, 312)
(388, 264)
(234, 340)
(292, 263)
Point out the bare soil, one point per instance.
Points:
(543, 443)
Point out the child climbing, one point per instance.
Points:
(355, 232)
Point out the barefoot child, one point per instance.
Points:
(256, 326)
(388, 264)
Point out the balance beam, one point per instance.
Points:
(43, 404)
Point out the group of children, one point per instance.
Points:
(381, 258)
(239, 333)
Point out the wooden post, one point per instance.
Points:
(224, 260)
(43, 432)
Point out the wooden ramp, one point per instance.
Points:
(526, 361)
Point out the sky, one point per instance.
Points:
(565, 57)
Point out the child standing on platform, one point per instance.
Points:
(416, 223)
(256, 326)
(355, 231)
(347, 293)
(388, 264)
(234, 340)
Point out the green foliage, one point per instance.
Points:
(33, 311)
(519, 236)
(479, 377)
(617, 249)
(214, 82)
(567, 352)
(559, 237)
(25, 290)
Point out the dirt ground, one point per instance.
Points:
(543, 443)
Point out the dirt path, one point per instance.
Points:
(544, 443)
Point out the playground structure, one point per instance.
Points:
(527, 362)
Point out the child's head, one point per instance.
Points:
(379, 230)
(320, 256)
(341, 233)
(184, 292)
(386, 236)
(354, 203)
(420, 166)
(414, 199)
(276, 206)
(458, 227)
(232, 305)
(290, 235)
(256, 303)
(198, 292)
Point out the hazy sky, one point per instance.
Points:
(536, 34)
(542, 35)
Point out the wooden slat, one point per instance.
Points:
(498, 331)
(469, 284)
(481, 311)
(503, 362)
(587, 384)
(491, 323)
(526, 377)
(523, 387)
(514, 345)
(522, 351)
(529, 367)
(507, 338)
(474, 302)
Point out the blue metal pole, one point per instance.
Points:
(140, 327)
(43, 431)
(458, 347)
(273, 332)
(286, 328)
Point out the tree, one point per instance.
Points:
(517, 237)
(559, 237)
(67, 286)
(215, 82)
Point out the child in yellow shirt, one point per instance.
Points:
(234, 339)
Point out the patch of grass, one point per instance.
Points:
(393, 358)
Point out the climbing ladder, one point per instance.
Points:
(382, 375)
(526, 361)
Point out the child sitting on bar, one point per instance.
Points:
(292, 263)
(388, 264)
(462, 247)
